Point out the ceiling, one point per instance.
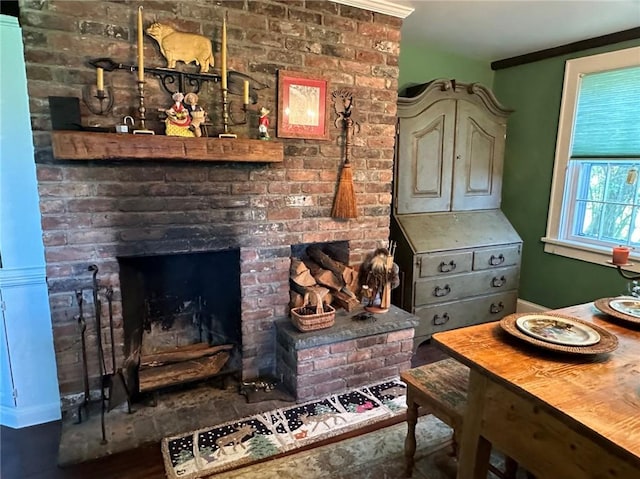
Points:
(496, 30)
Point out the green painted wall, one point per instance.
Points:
(420, 64)
(534, 91)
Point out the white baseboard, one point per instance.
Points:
(17, 418)
(527, 307)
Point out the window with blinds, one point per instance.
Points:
(595, 201)
(604, 206)
(608, 115)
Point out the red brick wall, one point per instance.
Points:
(94, 211)
(318, 371)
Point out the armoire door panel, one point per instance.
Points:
(479, 153)
(426, 154)
(479, 174)
(425, 160)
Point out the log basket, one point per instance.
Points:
(308, 318)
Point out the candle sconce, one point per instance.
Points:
(620, 258)
(633, 288)
(185, 82)
(624, 274)
(171, 80)
(240, 115)
(99, 102)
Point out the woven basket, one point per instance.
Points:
(307, 318)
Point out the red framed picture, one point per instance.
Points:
(302, 106)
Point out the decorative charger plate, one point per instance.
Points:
(557, 330)
(625, 308)
(608, 342)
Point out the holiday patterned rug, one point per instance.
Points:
(233, 444)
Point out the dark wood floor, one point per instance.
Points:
(31, 453)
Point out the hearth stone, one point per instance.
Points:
(349, 354)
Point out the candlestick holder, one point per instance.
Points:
(99, 102)
(225, 116)
(633, 288)
(244, 110)
(142, 110)
(623, 273)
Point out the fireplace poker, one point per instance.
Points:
(101, 364)
(85, 370)
(118, 391)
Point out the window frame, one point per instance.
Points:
(554, 240)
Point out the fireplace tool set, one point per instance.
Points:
(114, 381)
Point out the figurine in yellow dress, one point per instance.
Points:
(178, 118)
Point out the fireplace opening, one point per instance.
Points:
(181, 317)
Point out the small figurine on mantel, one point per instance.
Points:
(196, 112)
(178, 119)
(263, 124)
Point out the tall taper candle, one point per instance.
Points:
(223, 48)
(245, 92)
(100, 78)
(140, 46)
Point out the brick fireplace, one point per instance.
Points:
(99, 212)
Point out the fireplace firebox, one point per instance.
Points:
(181, 317)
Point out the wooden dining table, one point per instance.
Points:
(559, 415)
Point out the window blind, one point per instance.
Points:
(608, 115)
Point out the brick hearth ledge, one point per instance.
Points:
(351, 353)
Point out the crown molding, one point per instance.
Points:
(379, 6)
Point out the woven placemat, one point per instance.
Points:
(603, 305)
(608, 341)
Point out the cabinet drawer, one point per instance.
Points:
(506, 255)
(458, 314)
(458, 286)
(445, 263)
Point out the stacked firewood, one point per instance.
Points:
(334, 282)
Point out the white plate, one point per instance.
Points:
(557, 330)
(626, 306)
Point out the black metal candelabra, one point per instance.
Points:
(625, 275)
(99, 102)
(174, 80)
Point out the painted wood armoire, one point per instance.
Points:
(459, 256)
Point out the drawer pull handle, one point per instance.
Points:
(496, 260)
(498, 282)
(440, 320)
(496, 308)
(447, 267)
(439, 292)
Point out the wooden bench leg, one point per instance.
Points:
(442, 389)
(455, 441)
(410, 440)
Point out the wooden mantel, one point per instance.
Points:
(81, 145)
